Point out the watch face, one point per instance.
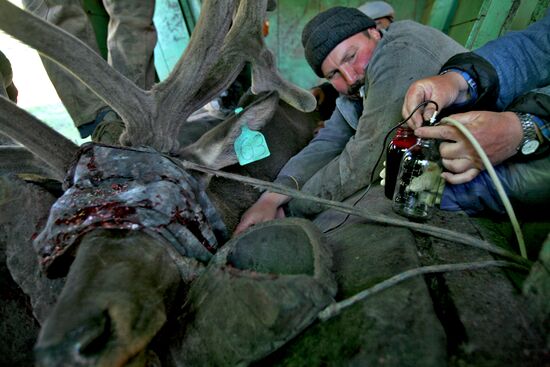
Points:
(529, 147)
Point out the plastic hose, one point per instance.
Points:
(496, 181)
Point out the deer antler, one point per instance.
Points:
(244, 42)
(249, 41)
(181, 94)
(129, 101)
(265, 77)
(23, 127)
(210, 64)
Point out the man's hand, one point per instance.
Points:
(268, 207)
(444, 90)
(498, 134)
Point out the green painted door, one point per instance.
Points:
(470, 22)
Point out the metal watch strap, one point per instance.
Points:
(530, 139)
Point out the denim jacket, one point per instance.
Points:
(521, 60)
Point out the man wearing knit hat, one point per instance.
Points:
(372, 70)
(382, 13)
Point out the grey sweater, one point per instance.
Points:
(339, 160)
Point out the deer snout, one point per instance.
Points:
(113, 303)
(96, 342)
(80, 347)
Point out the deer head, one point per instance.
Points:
(227, 35)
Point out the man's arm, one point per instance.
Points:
(388, 77)
(537, 103)
(521, 60)
(325, 146)
(525, 177)
(266, 208)
(502, 70)
(329, 142)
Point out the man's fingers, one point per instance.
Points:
(415, 121)
(465, 117)
(247, 220)
(242, 226)
(442, 132)
(415, 95)
(459, 165)
(418, 118)
(459, 178)
(429, 111)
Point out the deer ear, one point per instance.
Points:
(216, 147)
(44, 142)
(265, 77)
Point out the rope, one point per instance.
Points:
(363, 213)
(335, 308)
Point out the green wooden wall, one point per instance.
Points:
(475, 22)
(470, 22)
(290, 17)
(173, 33)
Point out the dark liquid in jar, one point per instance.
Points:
(403, 140)
(393, 159)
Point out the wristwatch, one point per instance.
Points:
(530, 143)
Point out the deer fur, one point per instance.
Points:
(109, 326)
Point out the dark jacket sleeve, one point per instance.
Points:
(484, 75)
(534, 103)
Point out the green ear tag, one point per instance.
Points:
(250, 146)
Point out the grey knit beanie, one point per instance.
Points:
(327, 29)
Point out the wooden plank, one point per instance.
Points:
(466, 15)
(172, 36)
(540, 10)
(461, 31)
(522, 18)
(426, 11)
(443, 12)
(493, 17)
(467, 11)
(407, 9)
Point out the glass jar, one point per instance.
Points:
(404, 138)
(418, 181)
